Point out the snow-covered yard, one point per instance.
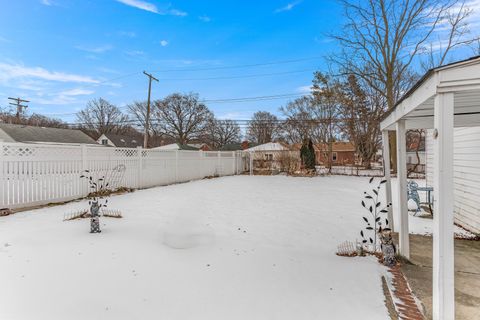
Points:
(229, 248)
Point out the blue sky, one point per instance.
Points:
(60, 53)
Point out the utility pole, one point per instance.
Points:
(147, 120)
(18, 104)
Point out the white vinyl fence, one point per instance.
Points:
(33, 174)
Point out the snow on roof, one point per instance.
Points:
(171, 146)
(176, 146)
(270, 146)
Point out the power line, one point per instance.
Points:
(205, 69)
(240, 76)
(240, 122)
(244, 65)
(220, 101)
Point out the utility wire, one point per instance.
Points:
(220, 101)
(240, 76)
(242, 66)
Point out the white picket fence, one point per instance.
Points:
(34, 174)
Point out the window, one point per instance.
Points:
(268, 156)
(104, 141)
(334, 156)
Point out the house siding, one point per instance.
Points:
(343, 158)
(466, 175)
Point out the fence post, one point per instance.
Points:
(176, 166)
(218, 163)
(250, 158)
(2, 172)
(139, 163)
(83, 184)
(234, 167)
(84, 157)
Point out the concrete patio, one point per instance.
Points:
(467, 275)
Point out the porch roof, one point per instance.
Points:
(416, 106)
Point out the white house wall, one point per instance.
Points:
(466, 175)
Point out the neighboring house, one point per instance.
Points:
(272, 155)
(120, 141)
(200, 146)
(237, 146)
(343, 153)
(177, 146)
(32, 134)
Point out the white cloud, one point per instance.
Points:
(439, 40)
(305, 89)
(99, 49)
(47, 2)
(15, 71)
(71, 96)
(142, 5)
(288, 7)
(234, 115)
(76, 92)
(174, 12)
(108, 70)
(150, 7)
(205, 18)
(164, 43)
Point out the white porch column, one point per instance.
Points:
(402, 227)
(443, 244)
(386, 173)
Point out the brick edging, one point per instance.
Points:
(403, 299)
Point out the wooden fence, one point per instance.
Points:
(33, 174)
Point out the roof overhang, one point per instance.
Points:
(417, 106)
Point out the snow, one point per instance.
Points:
(172, 146)
(270, 146)
(228, 248)
(421, 222)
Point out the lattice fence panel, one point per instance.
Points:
(33, 174)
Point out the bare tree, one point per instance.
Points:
(381, 39)
(182, 117)
(138, 112)
(455, 24)
(264, 127)
(34, 119)
(326, 110)
(362, 109)
(222, 132)
(100, 116)
(300, 123)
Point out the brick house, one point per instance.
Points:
(343, 153)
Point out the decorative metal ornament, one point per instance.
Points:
(388, 248)
(95, 217)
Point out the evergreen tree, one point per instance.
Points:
(307, 154)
